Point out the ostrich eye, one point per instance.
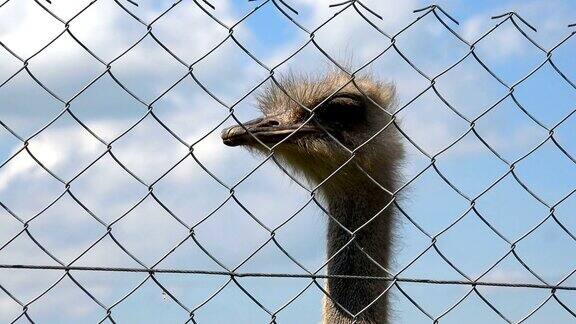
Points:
(342, 110)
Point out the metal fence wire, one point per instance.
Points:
(472, 286)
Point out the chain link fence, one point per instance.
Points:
(476, 288)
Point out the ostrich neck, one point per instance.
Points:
(353, 206)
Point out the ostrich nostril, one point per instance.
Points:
(269, 123)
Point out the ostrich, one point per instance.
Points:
(351, 116)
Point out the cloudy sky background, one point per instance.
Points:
(230, 234)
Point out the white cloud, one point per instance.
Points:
(506, 42)
(47, 151)
(66, 149)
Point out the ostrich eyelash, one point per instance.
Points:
(356, 99)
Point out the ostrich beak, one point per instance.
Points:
(267, 129)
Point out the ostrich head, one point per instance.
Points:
(349, 145)
(348, 116)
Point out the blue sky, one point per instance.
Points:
(230, 234)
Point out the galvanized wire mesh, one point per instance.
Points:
(396, 279)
